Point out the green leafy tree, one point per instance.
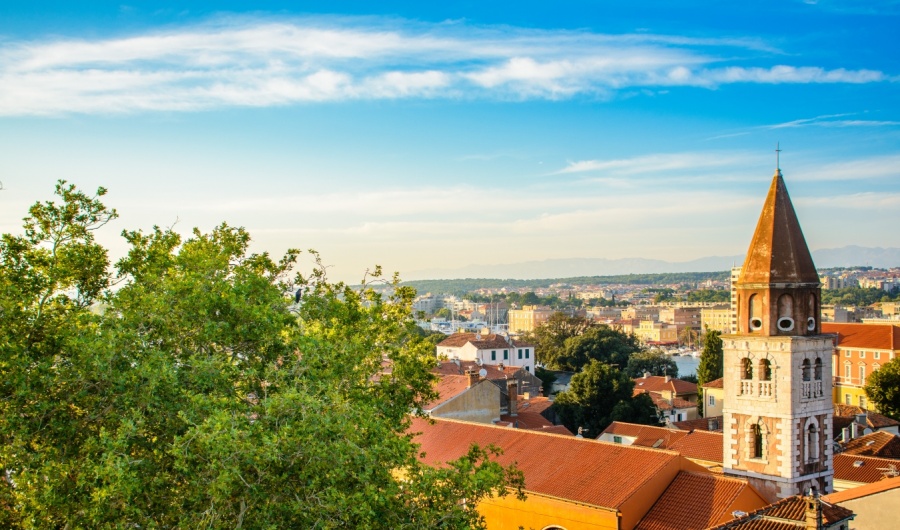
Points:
(883, 388)
(653, 361)
(601, 343)
(547, 379)
(197, 395)
(549, 337)
(711, 362)
(593, 396)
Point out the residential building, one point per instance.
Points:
(716, 318)
(668, 387)
(487, 348)
(778, 410)
(860, 350)
(465, 397)
(875, 504)
(525, 320)
(682, 317)
(713, 398)
(796, 512)
(656, 333)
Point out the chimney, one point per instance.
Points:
(513, 392)
(646, 375)
(712, 424)
(862, 419)
(668, 378)
(845, 434)
(813, 510)
(854, 430)
(473, 377)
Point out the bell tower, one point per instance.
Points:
(777, 367)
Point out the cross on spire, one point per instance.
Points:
(778, 156)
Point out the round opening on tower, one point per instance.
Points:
(785, 323)
(811, 324)
(755, 324)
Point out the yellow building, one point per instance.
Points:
(861, 350)
(650, 332)
(715, 318)
(529, 317)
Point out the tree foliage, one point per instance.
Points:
(883, 388)
(197, 395)
(599, 395)
(601, 343)
(549, 337)
(712, 361)
(653, 361)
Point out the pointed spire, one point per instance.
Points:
(778, 251)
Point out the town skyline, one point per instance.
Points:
(419, 137)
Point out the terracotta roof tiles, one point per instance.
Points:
(581, 470)
(856, 468)
(486, 342)
(700, 424)
(700, 445)
(657, 383)
(448, 387)
(873, 419)
(645, 435)
(693, 501)
(878, 443)
(786, 514)
(863, 491)
(715, 383)
(870, 336)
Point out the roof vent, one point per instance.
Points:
(738, 514)
(858, 463)
(870, 442)
(658, 443)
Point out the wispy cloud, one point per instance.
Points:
(266, 62)
(658, 163)
(831, 120)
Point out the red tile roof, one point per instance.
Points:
(693, 501)
(870, 336)
(494, 371)
(486, 342)
(863, 491)
(878, 443)
(646, 435)
(873, 419)
(448, 387)
(856, 468)
(658, 383)
(700, 445)
(668, 404)
(700, 424)
(581, 470)
(786, 514)
(715, 383)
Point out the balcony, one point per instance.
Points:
(765, 389)
(746, 388)
(811, 390)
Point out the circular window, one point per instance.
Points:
(755, 323)
(811, 323)
(785, 323)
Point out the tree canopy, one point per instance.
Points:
(601, 343)
(197, 394)
(653, 361)
(712, 361)
(599, 395)
(883, 388)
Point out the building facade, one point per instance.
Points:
(861, 350)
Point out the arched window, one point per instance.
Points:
(812, 441)
(785, 312)
(754, 313)
(813, 313)
(818, 369)
(806, 370)
(765, 370)
(746, 368)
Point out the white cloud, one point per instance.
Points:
(252, 62)
(659, 163)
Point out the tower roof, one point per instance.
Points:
(778, 251)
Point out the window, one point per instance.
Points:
(755, 310)
(846, 399)
(493, 355)
(765, 370)
(505, 354)
(806, 369)
(520, 353)
(746, 368)
(526, 352)
(862, 374)
(680, 417)
(812, 443)
(712, 400)
(756, 441)
(846, 353)
(847, 372)
(877, 355)
(862, 401)
(617, 439)
(818, 370)
(862, 355)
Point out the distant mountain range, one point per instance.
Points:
(849, 256)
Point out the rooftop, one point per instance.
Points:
(863, 491)
(658, 383)
(786, 514)
(481, 341)
(868, 336)
(566, 467)
(878, 443)
(694, 501)
(856, 468)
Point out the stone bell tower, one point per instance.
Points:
(777, 367)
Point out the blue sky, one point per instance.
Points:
(432, 137)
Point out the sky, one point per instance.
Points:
(424, 136)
